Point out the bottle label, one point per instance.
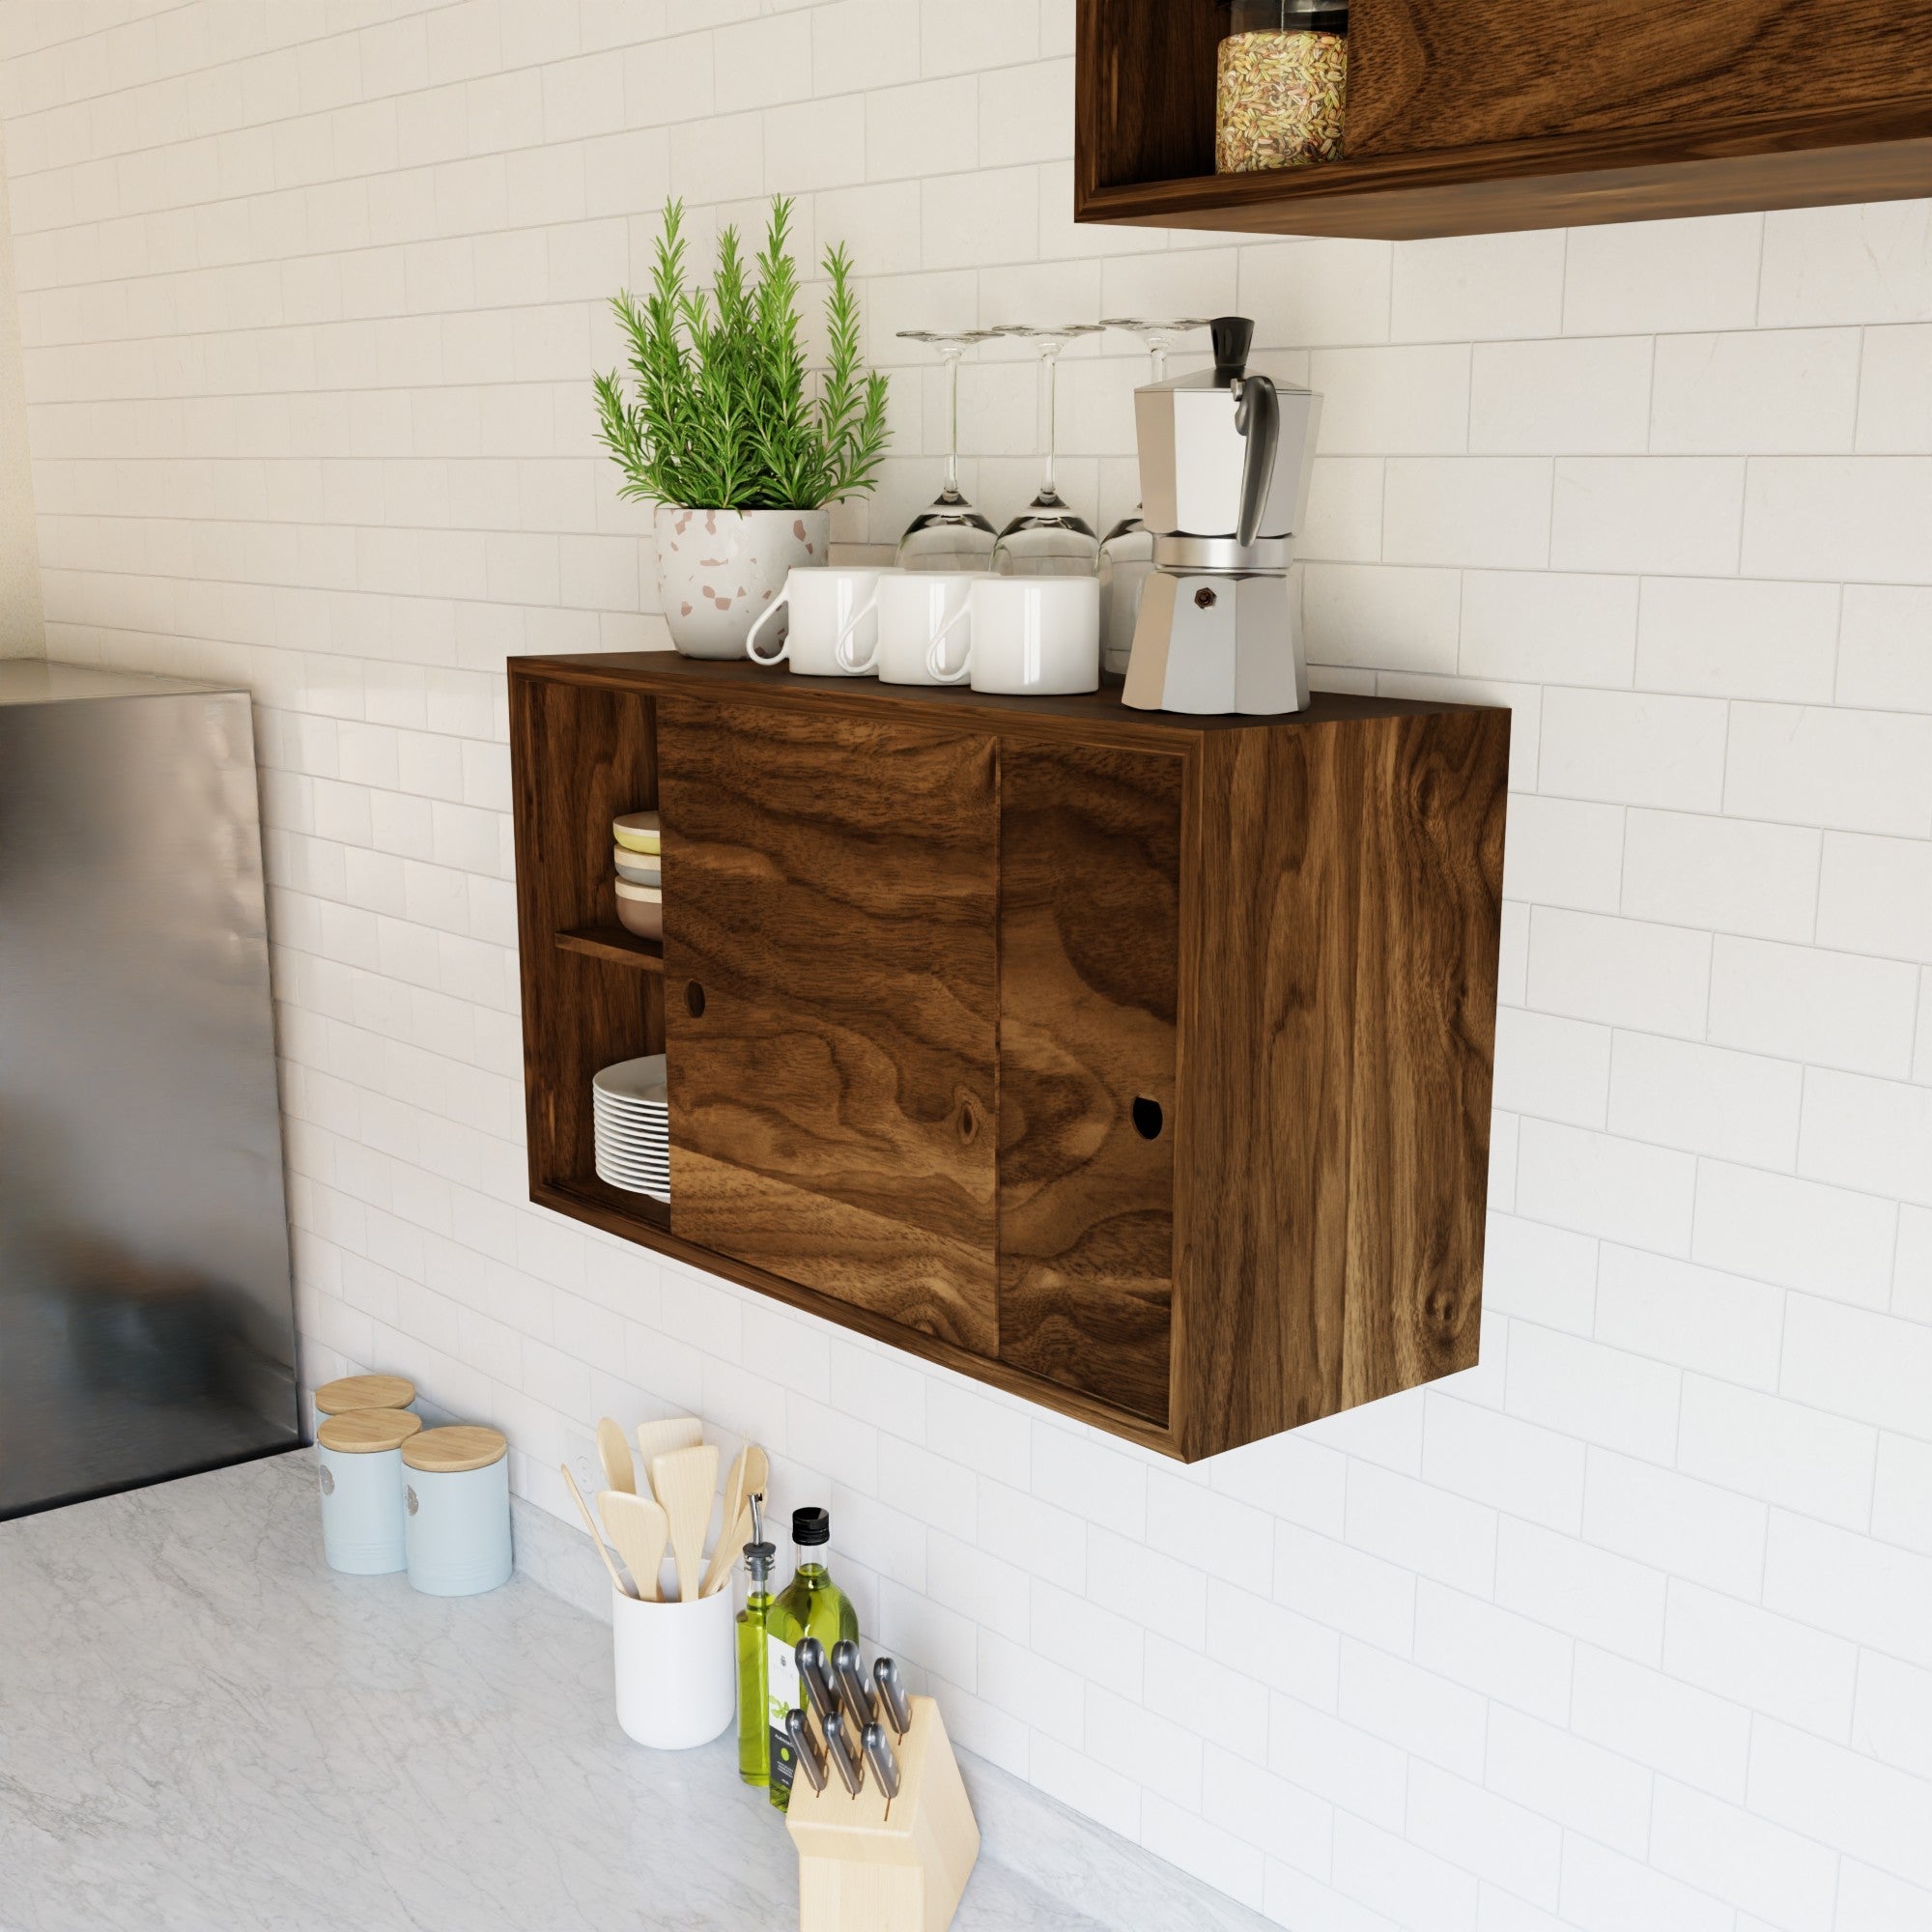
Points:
(785, 1693)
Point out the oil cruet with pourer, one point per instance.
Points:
(1225, 457)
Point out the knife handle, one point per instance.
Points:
(850, 1684)
(818, 1685)
(838, 1747)
(799, 1730)
(880, 1756)
(892, 1694)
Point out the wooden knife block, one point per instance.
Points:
(867, 1865)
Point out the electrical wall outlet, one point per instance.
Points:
(580, 1452)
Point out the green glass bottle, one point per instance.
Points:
(754, 1697)
(810, 1605)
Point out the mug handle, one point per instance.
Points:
(935, 654)
(868, 608)
(771, 611)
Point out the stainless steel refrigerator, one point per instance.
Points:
(147, 1321)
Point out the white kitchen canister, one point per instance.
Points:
(360, 1471)
(677, 1668)
(352, 1392)
(456, 1503)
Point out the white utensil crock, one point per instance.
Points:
(677, 1668)
(719, 570)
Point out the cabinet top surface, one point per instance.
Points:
(1091, 714)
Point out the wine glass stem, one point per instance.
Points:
(952, 425)
(1050, 360)
(1158, 355)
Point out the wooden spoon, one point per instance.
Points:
(659, 1438)
(686, 1480)
(584, 1509)
(615, 1455)
(639, 1529)
(750, 1472)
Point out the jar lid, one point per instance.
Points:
(461, 1446)
(365, 1392)
(368, 1432)
(1289, 16)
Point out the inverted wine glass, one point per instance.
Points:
(1048, 538)
(1126, 551)
(950, 535)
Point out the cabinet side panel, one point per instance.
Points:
(578, 756)
(1424, 1020)
(1260, 1317)
(1427, 75)
(1089, 942)
(831, 883)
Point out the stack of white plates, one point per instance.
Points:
(632, 1126)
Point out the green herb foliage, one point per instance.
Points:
(719, 419)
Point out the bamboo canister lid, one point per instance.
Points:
(337, 1398)
(367, 1431)
(448, 1452)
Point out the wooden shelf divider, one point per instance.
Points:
(614, 944)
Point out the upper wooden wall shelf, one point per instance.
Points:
(1466, 116)
(1136, 1064)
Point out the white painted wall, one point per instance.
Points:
(1632, 1627)
(20, 617)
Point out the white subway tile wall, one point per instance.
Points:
(1632, 1627)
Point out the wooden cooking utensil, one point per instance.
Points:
(751, 1472)
(686, 1480)
(615, 1455)
(639, 1529)
(659, 1438)
(731, 1542)
(589, 1523)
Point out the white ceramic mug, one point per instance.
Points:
(1029, 636)
(918, 608)
(826, 607)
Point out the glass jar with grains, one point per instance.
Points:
(1281, 76)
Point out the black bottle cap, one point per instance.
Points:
(811, 1526)
(1233, 333)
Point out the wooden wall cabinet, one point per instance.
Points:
(1471, 115)
(1136, 1064)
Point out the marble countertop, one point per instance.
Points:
(202, 1727)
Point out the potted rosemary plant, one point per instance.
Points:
(718, 433)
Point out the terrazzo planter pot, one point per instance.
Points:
(719, 569)
(676, 1668)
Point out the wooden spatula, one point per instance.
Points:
(731, 1542)
(639, 1529)
(615, 1455)
(686, 1480)
(659, 1438)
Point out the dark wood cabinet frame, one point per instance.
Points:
(1135, 1064)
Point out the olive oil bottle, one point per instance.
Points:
(753, 1691)
(810, 1605)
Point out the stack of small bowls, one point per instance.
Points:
(639, 862)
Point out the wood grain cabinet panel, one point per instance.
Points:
(832, 886)
(1137, 1065)
(1089, 959)
(1470, 116)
